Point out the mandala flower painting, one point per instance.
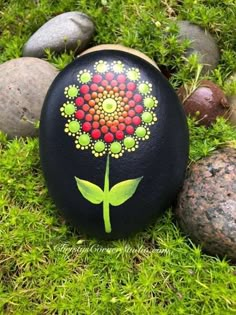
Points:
(109, 112)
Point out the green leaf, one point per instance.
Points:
(90, 191)
(122, 191)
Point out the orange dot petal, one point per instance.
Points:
(91, 103)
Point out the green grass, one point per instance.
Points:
(47, 268)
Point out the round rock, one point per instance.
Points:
(207, 203)
(121, 48)
(232, 101)
(24, 83)
(202, 43)
(113, 143)
(70, 30)
(205, 103)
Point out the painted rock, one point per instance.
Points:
(206, 209)
(24, 83)
(206, 102)
(202, 43)
(70, 30)
(113, 143)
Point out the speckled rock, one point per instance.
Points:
(206, 209)
(70, 30)
(24, 83)
(202, 43)
(232, 101)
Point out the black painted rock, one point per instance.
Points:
(202, 43)
(113, 143)
(206, 209)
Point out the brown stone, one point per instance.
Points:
(206, 102)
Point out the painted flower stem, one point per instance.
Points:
(106, 208)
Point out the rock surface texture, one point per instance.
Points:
(202, 43)
(70, 31)
(206, 209)
(232, 102)
(24, 83)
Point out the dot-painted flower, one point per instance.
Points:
(111, 110)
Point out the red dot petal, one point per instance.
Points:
(128, 120)
(130, 130)
(131, 103)
(84, 88)
(86, 107)
(95, 124)
(104, 129)
(79, 101)
(122, 86)
(137, 98)
(114, 83)
(121, 78)
(131, 86)
(136, 120)
(121, 126)
(104, 83)
(131, 113)
(94, 87)
(109, 137)
(113, 129)
(109, 76)
(97, 78)
(79, 114)
(139, 109)
(96, 134)
(129, 94)
(87, 97)
(88, 117)
(86, 126)
(119, 135)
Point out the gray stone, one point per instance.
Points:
(232, 101)
(71, 31)
(24, 83)
(202, 43)
(207, 203)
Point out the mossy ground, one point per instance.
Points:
(47, 268)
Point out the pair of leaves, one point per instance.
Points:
(118, 194)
